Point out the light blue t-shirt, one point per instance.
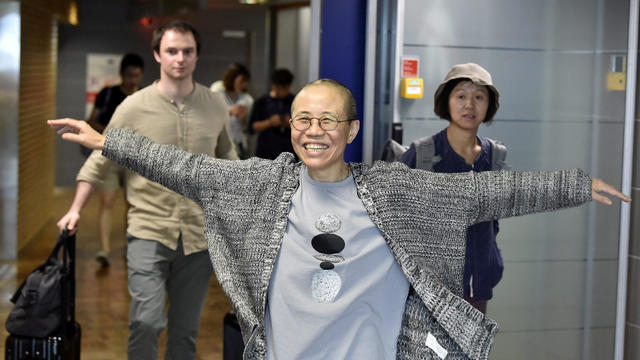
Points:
(351, 311)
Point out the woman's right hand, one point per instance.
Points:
(79, 132)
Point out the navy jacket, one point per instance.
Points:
(483, 261)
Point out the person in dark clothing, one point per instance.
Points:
(131, 69)
(467, 98)
(270, 117)
(108, 99)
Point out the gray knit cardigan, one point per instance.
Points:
(423, 216)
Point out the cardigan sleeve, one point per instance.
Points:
(167, 165)
(502, 194)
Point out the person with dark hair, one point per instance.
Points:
(166, 251)
(467, 98)
(324, 259)
(131, 69)
(177, 26)
(270, 117)
(233, 88)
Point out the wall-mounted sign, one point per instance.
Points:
(411, 88)
(410, 66)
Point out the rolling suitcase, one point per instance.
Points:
(63, 343)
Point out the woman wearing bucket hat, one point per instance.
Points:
(467, 98)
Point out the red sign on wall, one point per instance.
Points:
(410, 66)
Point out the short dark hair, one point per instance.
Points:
(180, 26)
(349, 101)
(233, 71)
(441, 103)
(282, 77)
(133, 60)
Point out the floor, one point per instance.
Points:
(102, 300)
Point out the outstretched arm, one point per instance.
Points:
(165, 164)
(507, 193)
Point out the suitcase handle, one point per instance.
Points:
(68, 287)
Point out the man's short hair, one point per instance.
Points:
(180, 26)
(233, 71)
(282, 77)
(131, 60)
(349, 101)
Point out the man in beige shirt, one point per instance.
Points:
(166, 252)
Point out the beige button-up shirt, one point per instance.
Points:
(200, 126)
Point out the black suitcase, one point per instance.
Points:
(65, 344)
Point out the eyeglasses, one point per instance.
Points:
(326, 122)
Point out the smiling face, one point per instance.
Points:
(468, 104)
(323, 151)
(177, 56)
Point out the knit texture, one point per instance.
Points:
(423, 216)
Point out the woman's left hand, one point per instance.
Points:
(598, 187)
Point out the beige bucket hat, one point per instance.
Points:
(478, 75)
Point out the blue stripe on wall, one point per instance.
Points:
(342, 49)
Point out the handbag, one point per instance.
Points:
(37, 310)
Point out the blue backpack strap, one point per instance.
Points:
(498, 155)
(392, 151)
(425, 153)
